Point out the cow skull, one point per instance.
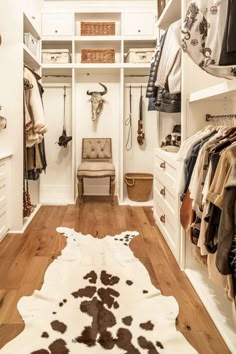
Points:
(97, 101)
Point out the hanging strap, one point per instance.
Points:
(128, 122)
(64, 110)
(140, 132)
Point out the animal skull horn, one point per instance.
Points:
(98, 92)
(97, 101)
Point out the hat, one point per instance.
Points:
(64, 139)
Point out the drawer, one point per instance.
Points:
(3, 193)
(164, 195)
(57, 24)
(165, 172)
(138, 23)
(167, 225)
(3, 222)
(3, 171)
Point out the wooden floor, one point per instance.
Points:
(24, 259)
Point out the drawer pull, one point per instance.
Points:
(163, 165)
(163, 218)
(33, 17)
(56, 31)
(163, 191)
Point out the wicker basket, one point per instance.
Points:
(97, 28)
(97, 55)
(139, 186)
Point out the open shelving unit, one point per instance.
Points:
(114, 75)
(34, 62)
(170, 14)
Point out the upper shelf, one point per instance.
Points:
(170, 14)
(30, 59)
(29, 27)
(220, 91)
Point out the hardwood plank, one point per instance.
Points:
(9, 332)
(24, 259)
(174, 282)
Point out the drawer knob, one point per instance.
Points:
(33, 17)
(163, 165)
(163, 191)
(56, 31)
(163, 218)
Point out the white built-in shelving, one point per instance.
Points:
(30, 59)
(170, 14)
(201, 94)
(128, 34)
(222, 90)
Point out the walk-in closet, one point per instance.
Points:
(156, 78)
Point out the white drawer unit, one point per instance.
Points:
(165, 207)
(138, 24)
(4, 203)
(60, 24)
(3, 222)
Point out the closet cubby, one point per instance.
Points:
(98, 45)
(31, 44)
(98, 17)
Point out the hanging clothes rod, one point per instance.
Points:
(221, 116)
(136, 85)
(136, 75)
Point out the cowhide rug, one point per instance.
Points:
(98, 298)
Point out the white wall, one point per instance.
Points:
(11, 98)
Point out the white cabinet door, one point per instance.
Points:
(57, 24)
(138, 23)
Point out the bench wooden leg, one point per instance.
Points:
(80, 190)
(112, 188)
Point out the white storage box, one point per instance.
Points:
(139, 55)
(31, 42)
(56, 56)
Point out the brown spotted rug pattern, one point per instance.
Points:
(98, 298)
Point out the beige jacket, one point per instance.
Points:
(35, 125)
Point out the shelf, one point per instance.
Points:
(136, 66)
(220, 91)
(98, 66)
(57, 66)
(30, 59)
(170, 14)
(29, 27)
(97, 38)
(140, 38)
(57, 39)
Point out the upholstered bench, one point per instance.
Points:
(96, 162)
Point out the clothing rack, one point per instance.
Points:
(221, 116)
(136, 75)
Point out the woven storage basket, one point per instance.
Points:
(139, 186)
(97, 55)
(97, 28)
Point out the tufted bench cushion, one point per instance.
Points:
(96, 169)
